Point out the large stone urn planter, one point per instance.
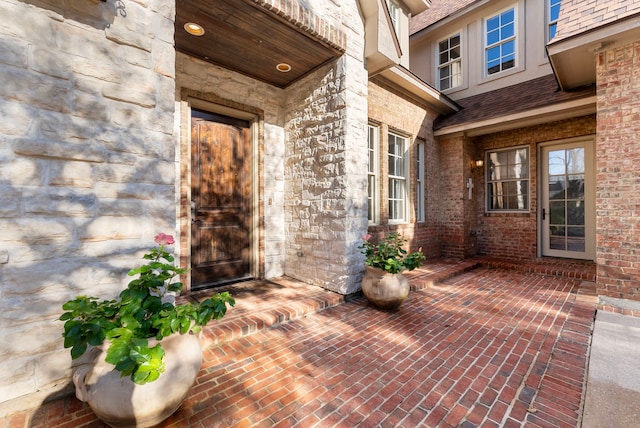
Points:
(119, 402)
(384, 290)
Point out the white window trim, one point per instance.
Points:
(420, 184)
(395, 12)
(462, 62)
(487, 166)
(407, 175)
(520, 45)
(374, 172)
(547, 20)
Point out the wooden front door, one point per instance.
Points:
(220, 199)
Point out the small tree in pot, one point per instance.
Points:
(383, 284)
(132, 335)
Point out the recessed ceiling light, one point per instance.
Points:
(194, 29)
(283, 67)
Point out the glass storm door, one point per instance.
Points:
(568, 200)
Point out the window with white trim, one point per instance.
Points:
(508, 179)
(500, 42)
(373, 139)
(553, 13)
(420, 216)
(449, 63)
(394, 12)
(397, 178)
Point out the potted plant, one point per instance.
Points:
(383, 284)
(139, 355)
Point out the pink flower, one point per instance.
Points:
(164, 239)
(366, 237)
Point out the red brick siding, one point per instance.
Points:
(617, 181)
(397, 112)
(452, 216)
(515, 235)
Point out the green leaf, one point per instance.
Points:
(118, 351)
(77, 350)
(126, 367)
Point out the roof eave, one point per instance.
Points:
(550, 113)
(573, 58)
(404, 79)
(417, 6)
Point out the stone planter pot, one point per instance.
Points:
(119, 402)
(384, 290)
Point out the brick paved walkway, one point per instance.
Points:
(489, 347)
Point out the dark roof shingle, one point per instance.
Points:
(578, 16)
(439, 9)
(528, 95)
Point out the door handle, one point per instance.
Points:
(544, 214)
(193, 212)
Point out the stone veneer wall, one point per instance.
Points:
(617, 181)
(87, 166)
(311, 157)
(515, 235)
(325, 175)
(392, 110)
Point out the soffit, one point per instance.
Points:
(253, 37)
(572, 52)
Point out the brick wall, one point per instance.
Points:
(453, 179)
(617, 183)
(87, 167)
(514, 235)
(391, 110)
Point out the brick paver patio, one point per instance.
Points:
(486, 348)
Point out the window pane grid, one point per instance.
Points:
(394, 12)
(397, 177)
(449, 68)
(508, 180)
(420, 215)
(500, 42)
(554, 13)
(372, 174)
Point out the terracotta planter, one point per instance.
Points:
(119, 402)
(384, 290)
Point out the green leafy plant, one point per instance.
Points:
(389, 254)
(144, 310)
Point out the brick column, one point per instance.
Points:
(617, 181)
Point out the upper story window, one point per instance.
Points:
(553, 13)
(373, 138)
(395, 11)
(398, 169)
(500, 42)
(508, 179)
(449, 63)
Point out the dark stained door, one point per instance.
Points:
(220, 199)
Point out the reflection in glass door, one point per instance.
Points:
(567, 205)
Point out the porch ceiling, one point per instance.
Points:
(244, 36)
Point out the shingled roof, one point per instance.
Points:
(528, 95)
(439, 9)
(578, 16)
